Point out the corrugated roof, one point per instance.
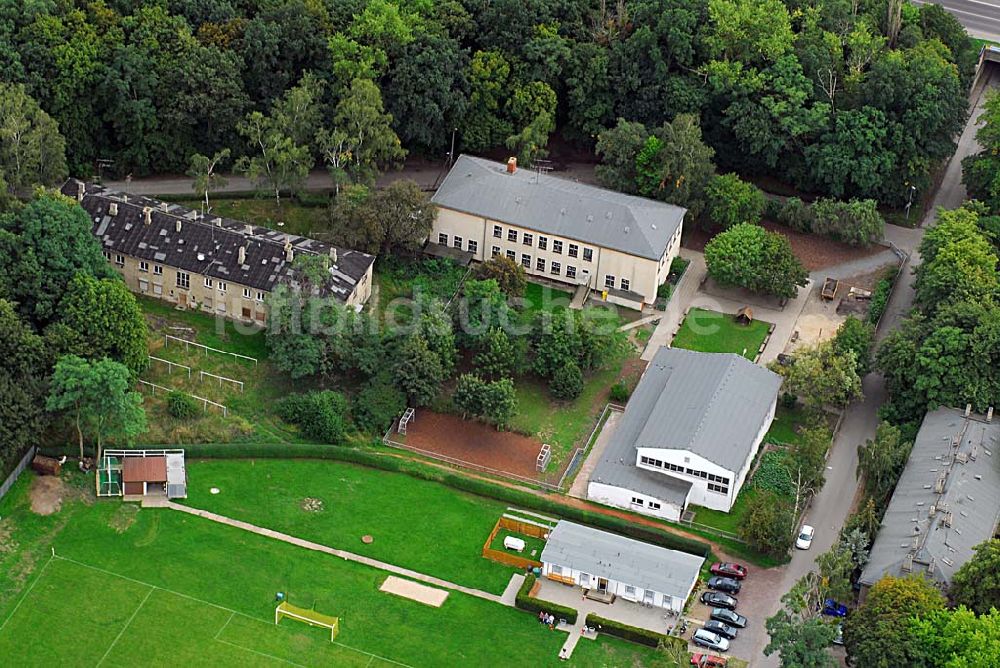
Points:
(209, 245)
(144, 469)
(634, 225)
(624, 560)
(964, 453)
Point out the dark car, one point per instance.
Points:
(728, 585)
(729, 570)
(729, 617)
(834, 609)
(708, 661)
(718, 628)
(719, 600)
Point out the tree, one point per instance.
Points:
(981, 172)
(529, 144)
(395, 219)
(419, 372)
(566, 382)
(857, 222)
(277, 161)
(955, 638)
(484, 125)
(855, 336)
(618, 148)
(731, 201)
(377, 405)
(821, 376)
(800, 643)
(806, 462)
(876, 634)
(321, 415)
(97, 397)
(751, 31)
(101, 318)
(469, 393)
(768, 524)
(508, 274)
(494, 401)
(363, 131)
(675, 165)
(32, 152)
(976, 584)
(203, 174)
(498, 356)
(23, 373)
(436, 328)
(751, 257)
(958, 261)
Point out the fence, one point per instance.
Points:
(187, 346)
(518, 526)
(18, 470)
(579, 453)
(171, 365)
(205, 402)
(237, 383)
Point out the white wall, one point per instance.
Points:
(619, 589)
(620, 497)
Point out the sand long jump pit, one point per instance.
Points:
(414, 591)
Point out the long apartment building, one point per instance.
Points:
(619, 245)
(209, 263)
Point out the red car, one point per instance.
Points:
(728, 570)
(708, 661)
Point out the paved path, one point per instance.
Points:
(579, 486)
(343, 554)
(677, 306)
(510, 593)
(856, 267)
(640, 322)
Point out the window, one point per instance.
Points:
(629, 590)
(457, 242)
(555, 268)
(246, 293)
(636, 500)
(644, 460)
(528, 239)
(588, 254)
(120, 260)
(107, 255)
(246, 313)
(222, 286)
(496, 251)
(473, 246)
(221, 307)
(625, 284)
(570, 271)
(719, 489)
(557, 569)
(540, 264)
(609, 282)
(260, 296)
(442, 238)
(557, 247)
(144, 267)
(573, 250)
(543, 243)
(143, 285)
(157, 270)
(511, 255)
(497, 232)
(208, 282)
(653, 505)
(157, 289)
(525, 260)
(512, 235)
(183, 280)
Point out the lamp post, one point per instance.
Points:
(909, 200)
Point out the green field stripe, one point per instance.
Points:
(125, 628)
(38, 577)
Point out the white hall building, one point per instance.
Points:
(558, 229)
(689, 434)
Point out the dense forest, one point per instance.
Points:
(847, 98)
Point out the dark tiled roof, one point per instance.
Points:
(182, 238)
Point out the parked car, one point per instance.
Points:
(729, 617)
(708, 660)
(728, 585)
(724, 630)
(805, 537)
(717, 599)
(839, 639)
(729, 570)
(834, 609)
(710, 640)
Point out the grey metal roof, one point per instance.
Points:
(624, 560)
(964, 452)
(560, 207)
(209, 245)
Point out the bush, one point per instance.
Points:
(796, 214)
(789, 400)
(376, 406)
(664, 291)
(181, 406)
(880, 298)
(523, 601)
(856, 222)
(732, 201)
(772, 208)
(631, 633)
(567, 382)
(320, 415)
(678, 266)
(772, 474)
(619, 393)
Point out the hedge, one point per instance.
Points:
(381, 460)
(880, 298)
(632, 633)
(523, 601)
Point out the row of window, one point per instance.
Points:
(555, 268)
(609, 282)
(183, 278)
(652, 505)
(723, 482)
(528, 239)
(473, 246)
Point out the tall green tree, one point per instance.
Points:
(751, 257)
(205, 178)
(822, 376)
(618, 148)
(32, 152)
(749, 31)
(976, 584)
(675, 165)
(419, 371)
(768, 524)
(732, 201)
(24, 369)
(276, 161)
(955, 638)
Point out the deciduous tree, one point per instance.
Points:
(976, 584)
(32, 152)
(751, 257)
(732, 201)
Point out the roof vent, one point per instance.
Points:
(201, 257)
(939, 483)
(289, 253)
(147, 214)
(946, 519)
(163, 205)
(113, 209)
(242, 255)
(333, 256)
(81, 190)
(908, 563)
(177, 225)
(989, 414)
(961, 457)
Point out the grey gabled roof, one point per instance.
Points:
(209, 245)
(624, 560)
(560, 207)
(964, 453)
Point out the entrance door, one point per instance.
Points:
(647, 597)
(602, 584)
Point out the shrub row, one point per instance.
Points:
(880, 297)
(856, 222)
(524, 601)
(632, 633)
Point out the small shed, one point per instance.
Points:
(142, 473)
(145, 475)
(744, 316)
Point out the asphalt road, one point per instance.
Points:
(980, 17)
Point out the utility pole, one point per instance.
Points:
(909, 200)
(451, 153)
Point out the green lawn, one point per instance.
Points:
(726, 521)
(211, 331)
(297, 219)
(538, 298)
(784, 428)
(712, 332)
(180, 590)
(417, 524)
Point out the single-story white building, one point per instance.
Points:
(621, 567)
(561, 230)
(689, 434)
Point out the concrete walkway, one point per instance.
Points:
(677, 306)
(580, 297)
(641, 321)
(510, 593)
(580, 482)
(343, 554)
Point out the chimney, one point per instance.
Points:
(81, 189)
(113, 209)
(333, 256)
(178, 225)
(163, 205)
(148, 213)
(511, 165)
(243, 255)
(289, 253)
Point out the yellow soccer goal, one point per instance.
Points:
(310, 617)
